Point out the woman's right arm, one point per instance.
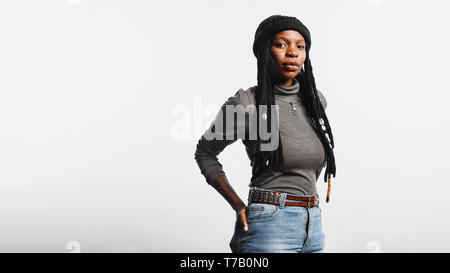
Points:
(207, 150)
(226, 190)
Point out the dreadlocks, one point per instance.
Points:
(272, 160)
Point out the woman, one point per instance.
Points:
(283, 213)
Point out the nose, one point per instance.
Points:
(292, 52)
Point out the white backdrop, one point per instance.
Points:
(102, 104)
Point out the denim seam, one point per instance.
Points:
(307, 229)
(238, 241)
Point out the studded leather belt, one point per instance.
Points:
(275, 198)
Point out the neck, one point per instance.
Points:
(287, 90)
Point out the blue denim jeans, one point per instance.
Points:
(279, 228)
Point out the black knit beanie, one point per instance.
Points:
(275, 24)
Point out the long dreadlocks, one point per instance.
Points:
(272, 160)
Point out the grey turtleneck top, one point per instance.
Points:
(304, 155)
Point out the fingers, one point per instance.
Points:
(243, 219)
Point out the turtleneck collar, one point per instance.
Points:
(290, 90)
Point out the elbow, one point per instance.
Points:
(198, 154)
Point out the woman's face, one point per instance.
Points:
(287, 50)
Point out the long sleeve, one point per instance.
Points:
(219, 135)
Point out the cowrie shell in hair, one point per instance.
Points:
(264, 116)
(321, 121)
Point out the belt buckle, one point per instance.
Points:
(278, 199)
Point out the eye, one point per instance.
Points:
(279, 44)
(300, 46)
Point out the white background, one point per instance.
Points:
(93, 93)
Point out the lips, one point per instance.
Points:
(290, 66)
